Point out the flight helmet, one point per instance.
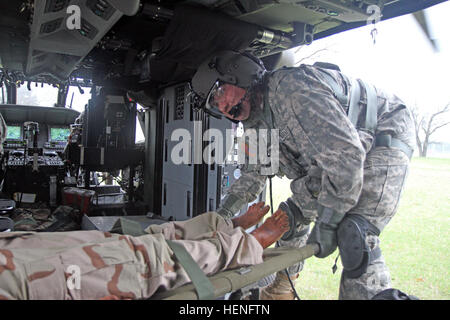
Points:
(226, 67)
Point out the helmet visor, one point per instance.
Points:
(217, 95)
(214, 96)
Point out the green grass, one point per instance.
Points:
(415, 243)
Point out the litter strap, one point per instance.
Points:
(127, 226)
(204, 287)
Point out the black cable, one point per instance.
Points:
(25, 163)
(277, 244)
(270, 193)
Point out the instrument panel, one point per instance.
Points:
(34, 144)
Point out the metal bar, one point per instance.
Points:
(131, 184)
(274, 38)
(275, 259)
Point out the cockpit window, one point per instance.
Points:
(3, 95)
(37, 94)
(140, 137)
(78, 98)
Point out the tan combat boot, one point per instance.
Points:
(279, 289)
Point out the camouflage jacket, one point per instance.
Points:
(320, 150)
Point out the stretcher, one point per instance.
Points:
(203, 287)
(275, 259)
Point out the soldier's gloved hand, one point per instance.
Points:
(324, 232)
(230, 206)
(295, 217)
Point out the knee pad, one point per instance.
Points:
(353, 249)
(393, 294)
(296, 220)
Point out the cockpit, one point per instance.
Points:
(33, 151)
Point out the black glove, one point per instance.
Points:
(324, 231)
(296, 219)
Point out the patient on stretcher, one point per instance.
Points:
(103, 265)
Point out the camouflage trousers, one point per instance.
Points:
(95, 264)
(385, 171)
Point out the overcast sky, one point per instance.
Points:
(402, 61)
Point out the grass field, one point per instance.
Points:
(415, 243)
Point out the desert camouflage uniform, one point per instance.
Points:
(63, 218)
(330, 162)
(40, 265)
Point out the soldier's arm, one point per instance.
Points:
(244, 190)
(326, 138)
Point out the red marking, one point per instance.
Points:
(112, 285)
(96, 260)
(127, 241)
(141, 248)
(9, 261)
(40, 275)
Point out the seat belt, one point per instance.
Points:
(204, 287)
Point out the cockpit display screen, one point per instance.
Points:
(14, 133)
(59, 134)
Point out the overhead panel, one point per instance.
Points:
(58, 42)
(280, 14)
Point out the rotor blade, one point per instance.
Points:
(422, 20)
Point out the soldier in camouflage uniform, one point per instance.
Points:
(346, 176)
(44, 265)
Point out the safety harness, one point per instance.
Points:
(353, 100)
